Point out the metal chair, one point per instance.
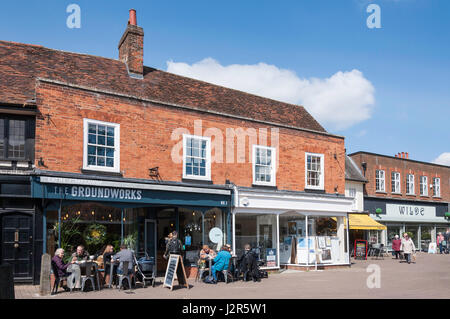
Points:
(58, 279)
(381, 251)
(229, 272)
(88, 276)
(375, 250)
(125, 275)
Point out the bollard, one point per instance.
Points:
(44, 287)
(6, 282)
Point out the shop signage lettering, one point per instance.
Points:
(400, 212)
(411, 210)
(99, 192)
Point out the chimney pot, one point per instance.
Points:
(131, 47)
(403, 154)
(133, 20)
(407, 155)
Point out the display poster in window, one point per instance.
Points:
(302, 250)
(271, 257)
(288, 240)
(325, 256)
(301, 243)
(187, 240)
(328, 241)
(322, 243)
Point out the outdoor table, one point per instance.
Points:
(210, 259)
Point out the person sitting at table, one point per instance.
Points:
(205, 253)
(124, 254)
(81, 253)
(221, 262)
(61, 267)
(107, 254)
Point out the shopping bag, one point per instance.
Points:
(414, 258)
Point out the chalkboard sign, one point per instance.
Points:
(175, 270)
(360, 249)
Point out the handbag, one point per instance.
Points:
(414, 257)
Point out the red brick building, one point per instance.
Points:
(132, 152)
(406, 195)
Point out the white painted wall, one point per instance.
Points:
(359, 199)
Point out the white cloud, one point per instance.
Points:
(443, 159)
(338, 102)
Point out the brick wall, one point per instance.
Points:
(404, 167)
(145, 140)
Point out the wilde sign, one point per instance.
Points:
(175, 267)
(410, 212)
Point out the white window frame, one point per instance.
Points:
(397, 183)
(423, 186)
(409, 184)
(436, 186)
(381, 179)
(322, 171)
(208, 157)
(273, 181)
(116, 168)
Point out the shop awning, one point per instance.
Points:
(363, 221)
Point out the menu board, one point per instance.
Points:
(360, 249)
(175, 266)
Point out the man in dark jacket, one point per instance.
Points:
(248, 263)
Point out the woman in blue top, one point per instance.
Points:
(221, 262)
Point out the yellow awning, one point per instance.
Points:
(363, 221)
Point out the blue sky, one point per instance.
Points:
(396, 99)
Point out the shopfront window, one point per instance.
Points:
(260, 231)
(191, 233)
(89, 224)
(326, 236)
(426, 237)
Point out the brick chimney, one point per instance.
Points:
(131, 47)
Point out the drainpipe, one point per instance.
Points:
(235, 204)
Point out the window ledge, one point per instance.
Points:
(381, 192)
(264, 186)
(396, 193)
(198, 181)
(411, 195)
(437, 197)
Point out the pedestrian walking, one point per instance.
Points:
(447, 240)
(407, 247)
(396, 244)
(440, 241)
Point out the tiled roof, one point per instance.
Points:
(352, 171)
(21, 64)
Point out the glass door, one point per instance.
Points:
(425, 236)
(150, 238)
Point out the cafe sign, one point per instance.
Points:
(410, 212)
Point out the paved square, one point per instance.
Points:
(429, 277)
